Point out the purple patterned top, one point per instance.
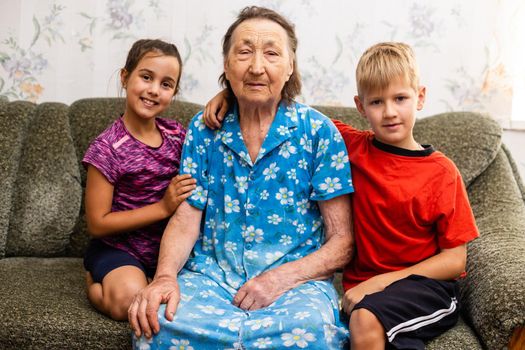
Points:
(140, 175)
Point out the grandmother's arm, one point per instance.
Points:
(177, 242)
(335, 253)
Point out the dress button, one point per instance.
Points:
(249, 246)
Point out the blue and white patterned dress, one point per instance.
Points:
(258, 216)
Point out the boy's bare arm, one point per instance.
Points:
(446, 265)
(215, 110)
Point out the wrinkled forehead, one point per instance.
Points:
(259, 32)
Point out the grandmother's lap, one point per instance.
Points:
(305, 316)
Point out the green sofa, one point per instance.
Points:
(43, 232)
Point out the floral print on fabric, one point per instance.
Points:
(259, 215)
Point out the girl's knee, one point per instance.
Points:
(118, 299)
(117, 305)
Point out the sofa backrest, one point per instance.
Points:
(42, 181)
(41, 204)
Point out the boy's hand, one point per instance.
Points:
(356, 294)
(180, 188)
(215, 110)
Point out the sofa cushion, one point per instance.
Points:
(53, 312)
(493, 292)
(43, 305)
(88, 118)
(461, 336)
(14, 118)
(471, 140)
(46, 202)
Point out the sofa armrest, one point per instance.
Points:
(493, 292)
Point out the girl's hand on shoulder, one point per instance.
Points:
(180, 188)
(215, 110)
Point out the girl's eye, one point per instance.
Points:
(146, 77)
(167, 85)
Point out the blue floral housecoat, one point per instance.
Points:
(257, 216)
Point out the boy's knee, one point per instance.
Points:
(365, 328)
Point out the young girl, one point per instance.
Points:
(131, 185)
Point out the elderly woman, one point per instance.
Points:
(273, 187)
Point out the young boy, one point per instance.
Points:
(412, 218)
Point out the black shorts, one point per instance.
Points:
(414, 310)
(101, 258)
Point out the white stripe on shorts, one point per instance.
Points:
(421, 321)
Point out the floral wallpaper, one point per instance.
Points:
(57, 50)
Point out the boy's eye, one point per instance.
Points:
(401, 98)
(375, 102)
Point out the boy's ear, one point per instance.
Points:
(421, 95)
(123, 77)
(359, 106)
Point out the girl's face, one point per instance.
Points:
(151, 86)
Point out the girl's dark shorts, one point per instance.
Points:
(414, 310)
(101, 258)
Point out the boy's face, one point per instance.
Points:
(392, 112)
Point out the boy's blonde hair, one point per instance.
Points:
(383, 63)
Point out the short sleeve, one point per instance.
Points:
(332, 176)
(102, 156)
(456, 224)
(194, 159)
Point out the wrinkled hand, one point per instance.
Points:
(180, 188)
(356, 294)
(215, 110)
(142, 313)
(260, 291)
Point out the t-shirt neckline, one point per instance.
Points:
(426, 151)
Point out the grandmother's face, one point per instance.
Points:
(259, 62)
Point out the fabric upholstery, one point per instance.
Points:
(14, 118)
(44, 306)
(42, 299)
(47, 194)
(493, 292)
(447, 133)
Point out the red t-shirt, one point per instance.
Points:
(407, 206)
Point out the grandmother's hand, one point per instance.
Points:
(142, 313)
(261, 291)
(215, 110)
